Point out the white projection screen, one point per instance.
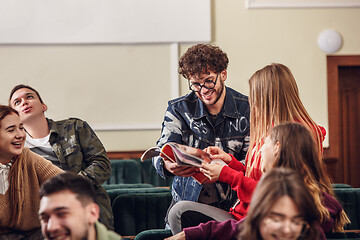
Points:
(104, 21)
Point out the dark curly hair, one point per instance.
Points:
(202, 58)
(80, 186)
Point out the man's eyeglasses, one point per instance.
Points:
(196, 87)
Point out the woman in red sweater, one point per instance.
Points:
(289, 145)
(274, 99)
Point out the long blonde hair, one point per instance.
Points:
(16, 189)
(274, 99)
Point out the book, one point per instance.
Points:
(183, 155)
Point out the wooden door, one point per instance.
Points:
(349, 80)
(343, 155)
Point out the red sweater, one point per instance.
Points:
(233, 174)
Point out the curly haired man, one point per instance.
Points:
(210, 115)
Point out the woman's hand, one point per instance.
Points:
(179, 236)
(218, 153)
(211, 171)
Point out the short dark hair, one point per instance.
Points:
(202, 58)
(20, 86)
(80, 186)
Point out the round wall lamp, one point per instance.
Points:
(329, 41)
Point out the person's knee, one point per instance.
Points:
(175, 213)
(179, 208)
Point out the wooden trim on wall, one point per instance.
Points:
(125, 154)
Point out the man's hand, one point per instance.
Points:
(218, 153)
(212, 171)
(179, 236)
(181, 171)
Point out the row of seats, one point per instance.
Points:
(140, 199)
(349, 198)
(133, 171)
(135, 212)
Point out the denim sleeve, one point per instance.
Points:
(171, 132)
(245, 148)
(97, 163)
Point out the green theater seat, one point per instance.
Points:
(150, 175)
(114, 193)
(136, 212)
(154, 234)
(350, 200)
(341, 185)
(341, 236)
(127, 185)
(125, 171)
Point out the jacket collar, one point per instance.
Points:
(52, 127)
(229, 107)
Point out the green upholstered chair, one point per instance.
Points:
(349, 198)
(341, 236)
(341, 185)
(125, 171)
(154, 234)
(150, 175)
(114, 193)
(127, 185)
(135, 212)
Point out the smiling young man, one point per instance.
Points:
(70, 144)
(211, 115)
(68, 210)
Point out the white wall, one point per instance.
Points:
(140, 73)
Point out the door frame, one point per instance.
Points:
(337, 167)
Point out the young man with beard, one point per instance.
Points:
(211, 115)
(68, 210)
(70, 144)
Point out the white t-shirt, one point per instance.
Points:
(42, 147)
(4, 175)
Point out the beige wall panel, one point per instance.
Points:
(110, 84)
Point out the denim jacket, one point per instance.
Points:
(187, 121)
(79, 150)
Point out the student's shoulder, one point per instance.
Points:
(104, 233)
(69, 122)
(189, 98)
(237, 95)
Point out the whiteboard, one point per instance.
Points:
(104, 21)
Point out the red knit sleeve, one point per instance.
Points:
(244, 186)
(236, 164)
